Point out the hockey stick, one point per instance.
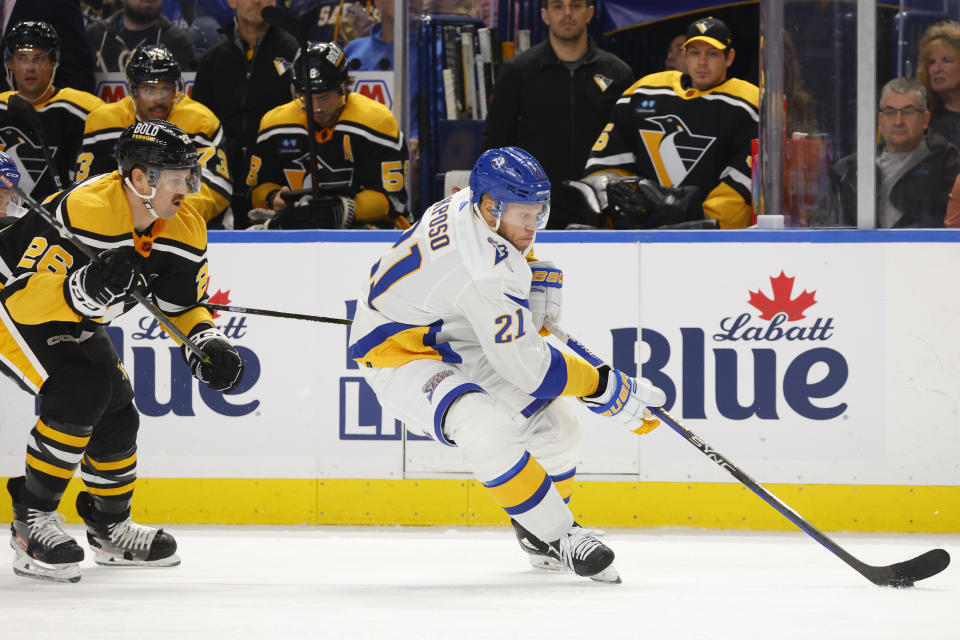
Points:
(17, 106)
(276, 314)
(900, 574)
(87, 251)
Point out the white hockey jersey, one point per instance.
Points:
(451, 289)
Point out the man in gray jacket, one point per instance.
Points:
(915, 168)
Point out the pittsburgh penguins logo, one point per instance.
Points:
(298, 176)
(26, 154)
(674, 150)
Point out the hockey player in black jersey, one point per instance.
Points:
(361, 158)
(54, 305)
(31, 52)
(676, 132)
(156, 93)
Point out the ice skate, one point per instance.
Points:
(126, 543)
(42, 550)
(582, 553)
(539, 553)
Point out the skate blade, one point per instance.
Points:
(27, 567)
(545, 564)
(109, 560)
(608, 575)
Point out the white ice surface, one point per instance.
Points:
(398, 583)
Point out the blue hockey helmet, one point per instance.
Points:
(9, 176)
(509, 175)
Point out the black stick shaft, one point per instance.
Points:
(901, 574)
(276, 314)
(62, 229)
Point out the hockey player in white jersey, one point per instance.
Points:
(447, 334)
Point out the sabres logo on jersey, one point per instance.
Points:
(500, 252)
(27, 155)
(674, 150)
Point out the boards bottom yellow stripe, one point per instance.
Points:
(929, 509)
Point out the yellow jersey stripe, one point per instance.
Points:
(111, 491)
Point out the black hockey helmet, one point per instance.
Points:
(152, 63)
(31, 34)
(327, 68)
(156, 145)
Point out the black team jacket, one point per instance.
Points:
(541, 106)
(240, 91)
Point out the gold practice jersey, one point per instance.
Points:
(62, 118)
(104, 126)
(35, 259)
(363, 156)
(662, 130)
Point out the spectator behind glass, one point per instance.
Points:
(238, 80)
(66, 18)
(916, 169)
(939, 71)
(674, 59)
(553, 100)
(139, 22)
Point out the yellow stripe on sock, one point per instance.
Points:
(565, 487)
(111, 491)
(61, 437)
(49, 469)
(111, 466)
(521, 486)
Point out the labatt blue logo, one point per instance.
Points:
(801, 381)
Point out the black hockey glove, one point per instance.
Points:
(107, 280)
(315, 212)
(638, 203)
(225, 369)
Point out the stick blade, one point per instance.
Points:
(904, 574)
(17, 106)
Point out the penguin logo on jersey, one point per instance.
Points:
(674, 150)
(602, 81)
(298, 176)
(27, 155)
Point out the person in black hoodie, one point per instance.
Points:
(240, 79)
(915, 168)
(555, 98)
(139, 22)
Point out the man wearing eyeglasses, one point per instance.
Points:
(915, 168)
(156, 93)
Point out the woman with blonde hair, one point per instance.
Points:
(939, 72)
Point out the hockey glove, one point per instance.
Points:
(546, 293)
(225, 369)
(638, 203)
(618, 395)
(315, 212)
(107, 280)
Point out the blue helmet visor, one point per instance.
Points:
(526, 214)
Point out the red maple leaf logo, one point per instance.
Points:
(781, 303)
(220, 297)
